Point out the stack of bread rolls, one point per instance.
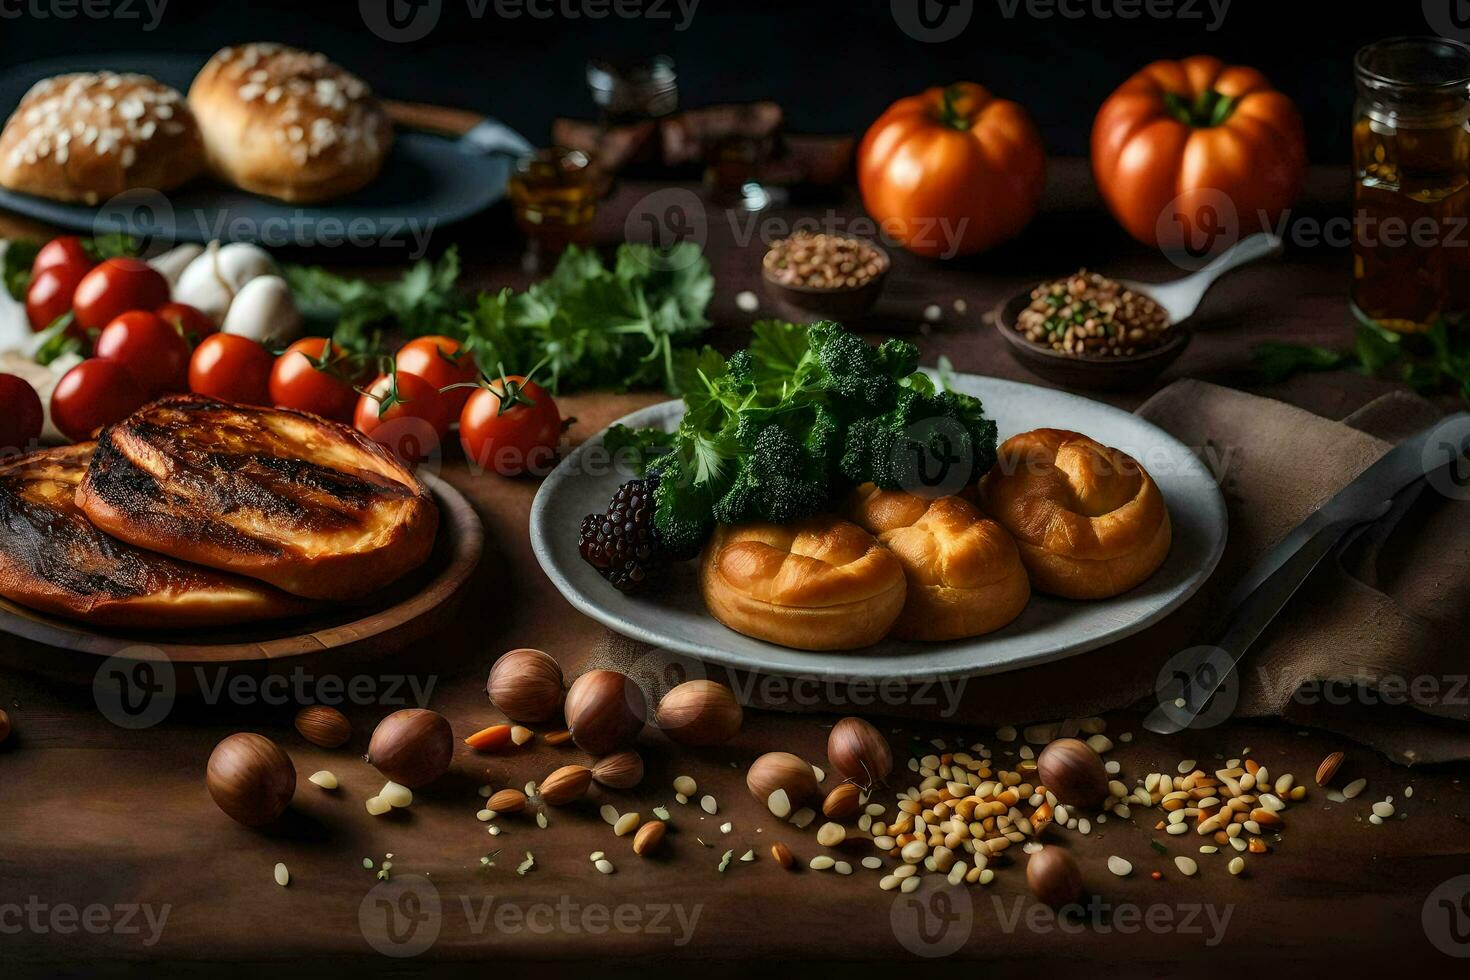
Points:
(265, 118)
(1060, 513)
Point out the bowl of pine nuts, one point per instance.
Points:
(1088, 331)
(824, 276)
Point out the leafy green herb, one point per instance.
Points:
(588, 325)
(20, 254)
(353, 311)
(58, 339)
(1158, 847)
(1426, 362)
(779, 431)
(111, 245)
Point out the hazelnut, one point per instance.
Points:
(1053, 877)
(842, 802)
(324, 726)
(1073, 772)
(700, 713)
(859, 752)
(604, 710)
(784, 773)
(250, 778)
(527, 685)
(412, 747)
(621, 770)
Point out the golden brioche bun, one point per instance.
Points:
(817, 584)
(288, 124)
(965, 576)
(93, 135)
(1090, 522)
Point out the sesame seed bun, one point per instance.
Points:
(92, 135)
(288, 123)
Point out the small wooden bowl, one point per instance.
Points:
(1093, 371)
(844, 304)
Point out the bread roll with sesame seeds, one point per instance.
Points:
(288, 123)
(92, 135)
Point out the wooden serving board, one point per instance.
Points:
(408, 610)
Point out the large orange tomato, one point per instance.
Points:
(952, 171)
(1197, 153)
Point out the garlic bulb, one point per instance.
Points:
(264, 311)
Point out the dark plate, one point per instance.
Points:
(427, 181)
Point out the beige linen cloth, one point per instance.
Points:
(1374, 646)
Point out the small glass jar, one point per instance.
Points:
(635, 91)
(1411, 195)
(553, 195)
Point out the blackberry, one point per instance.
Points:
(622, 544)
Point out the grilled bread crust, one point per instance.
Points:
(54, 560)
(310, 506)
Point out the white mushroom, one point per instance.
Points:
(211, 281)
(171, 264)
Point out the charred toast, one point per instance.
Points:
(310, 506)
(54, 560)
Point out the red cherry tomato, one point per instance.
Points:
(116, 286)
(64, 251)
(192, 325)
(410, 422)
(153, 351)
(20, 415)
(231, 368)
(95, 393)
(441, 361)
(306, 380)
(49, 296)
(511, 426)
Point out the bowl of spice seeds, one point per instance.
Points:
(826, 276)
(1090, 331)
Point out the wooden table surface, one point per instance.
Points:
(112, 856)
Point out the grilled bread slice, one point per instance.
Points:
(53, 559)
(310, 506)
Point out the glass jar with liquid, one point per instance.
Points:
(553, 195)
(1411, 200)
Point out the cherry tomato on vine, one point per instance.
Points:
(95, 393)
(511, 426)
(155, 354)
(192, 325)
(20, 415)
(232, 368)
(116, 286)
(312, 376)
(63, 252)
(49, 296)
(441, 361)
(404, 414)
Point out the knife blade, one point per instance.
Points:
(1266, 589)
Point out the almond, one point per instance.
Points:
(782, 855)
(842, 802)
(507, 801)
(1329, 767)
(621, 770)
(648, 837)
(323, 726)
(565, 785)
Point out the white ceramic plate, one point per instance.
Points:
(672, 615)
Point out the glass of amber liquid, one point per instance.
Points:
(1411, 200)
(553, 195)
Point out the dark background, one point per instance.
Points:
(834, 66)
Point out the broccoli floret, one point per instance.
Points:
(777, 482)
(926, 443)
(681, 513)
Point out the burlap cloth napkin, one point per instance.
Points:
(1372, 647)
